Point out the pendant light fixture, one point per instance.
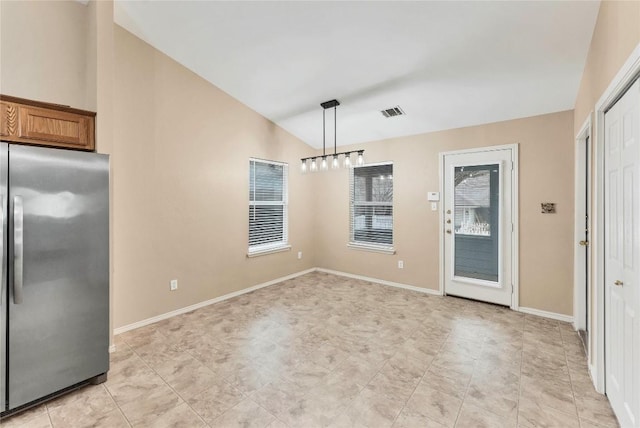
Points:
(311, 163)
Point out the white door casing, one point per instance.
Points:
(622, 256)
(499, 288)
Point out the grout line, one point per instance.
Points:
(524, 325)
(423, 375)
(118, 406)
(566, 362)
(46, 408)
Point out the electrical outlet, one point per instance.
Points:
(299, 255)
(400, 264)
(174, 285)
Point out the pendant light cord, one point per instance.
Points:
(335, 130)
(324, 151)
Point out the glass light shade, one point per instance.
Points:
(303, 167)
(335, 164)
(360, 159)
(324, 165)
(314, 165)
(347, 160)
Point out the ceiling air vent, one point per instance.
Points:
(393, 111)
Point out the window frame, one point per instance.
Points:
(271, 247)
(364, 245)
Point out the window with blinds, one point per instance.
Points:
(267, 205)
(371, 197)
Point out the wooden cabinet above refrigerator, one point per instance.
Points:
(43, 124)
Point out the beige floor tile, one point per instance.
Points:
(369, 409)
(434, 404)
(251, 378)
(245, 414)
(475, 417)
(216, 400)
(584, 423)
(88, 406)
(596, 409)
(544, 393)
(531, 414)
(306, 374)
(90, 398)
(188, 377)
(276, 397)
(151, 406)
(501, 399)
(36, 417)
(277, 424)
(407, 419)
(437, 379)
(312, 411)
(66, 419)
(181, 416)
(133, 384)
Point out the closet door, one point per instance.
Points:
(622, 257)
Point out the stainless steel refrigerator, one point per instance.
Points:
(54, 324)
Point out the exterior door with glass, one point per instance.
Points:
(478, 224)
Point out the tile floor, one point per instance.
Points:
(322, 350)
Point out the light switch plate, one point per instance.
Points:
(433, 196)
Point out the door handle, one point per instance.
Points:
(618, 283)
(584, 243)
(449, 221)
(18, 248)
(448, 231)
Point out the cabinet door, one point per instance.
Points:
(46, 124)
(67, 129)
(8, 119)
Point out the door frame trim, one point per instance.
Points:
(580, 294)
(627, 74)
(515, 248)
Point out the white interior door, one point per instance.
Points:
(622, 253)
(478, 216)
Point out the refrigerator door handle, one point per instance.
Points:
(18, 241)
(1, 246)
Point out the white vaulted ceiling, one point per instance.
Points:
(447, 64)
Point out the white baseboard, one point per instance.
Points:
(593, 375)
(545, 314)
(381, 281)
(112, 349)
(190, 308)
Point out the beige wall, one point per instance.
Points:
(46, 52)
(616, 34)
(181, 187)
(546, 175)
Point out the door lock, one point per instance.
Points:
(448, 231)
(584, 243)
(449, 221)
(618, 283)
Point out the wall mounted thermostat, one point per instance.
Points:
(433, 196)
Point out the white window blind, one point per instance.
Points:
(371, 213)
(267, 205)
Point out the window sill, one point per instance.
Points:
(269, 250)
(372, 248)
